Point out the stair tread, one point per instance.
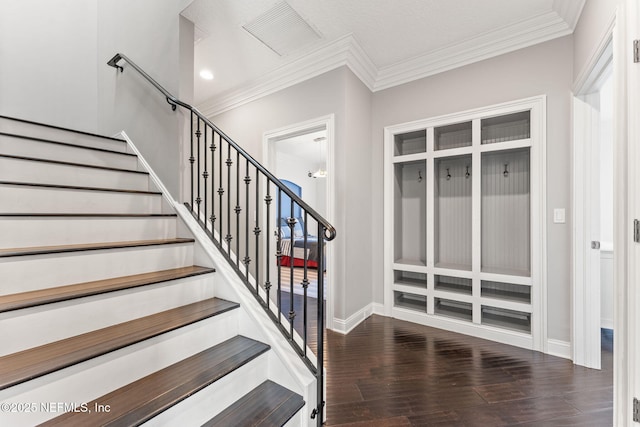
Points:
(40, 250)
(141, 400)
(75, 187)
(88, 215)
(68, 144)
(63, 128)
(269, 404)
(77, 165)
(25, 365)
(79, 290)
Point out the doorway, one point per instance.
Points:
(302, 154)
(593, 214)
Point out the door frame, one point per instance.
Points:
(586, 347)
(328, 123)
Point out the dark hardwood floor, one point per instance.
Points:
(388, 372)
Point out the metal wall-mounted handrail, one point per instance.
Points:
(173, 101)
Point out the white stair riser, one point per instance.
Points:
(27, 199)
(31, 231)
(36, 326)
(35, 172)
(43, 150)
(59, 135)
(88, 380)
(210, 401)
(27, 273)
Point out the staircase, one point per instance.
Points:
(105, 315)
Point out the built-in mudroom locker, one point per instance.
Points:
(464, 222)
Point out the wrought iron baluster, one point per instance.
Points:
(247, 181)
(220, 191)
(191, 160)
(292, 227)
(320, 333)
(267, 199)
(205, 176)
(213, 178)
(256, 229)
(279, 252)
(198, 134)
(237, 210)
(229, 237)
(305, 285)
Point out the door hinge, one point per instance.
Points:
(636, 410)
(636, 231)
(636, 51)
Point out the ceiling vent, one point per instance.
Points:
(282, 29)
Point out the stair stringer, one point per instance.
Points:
(285, 365)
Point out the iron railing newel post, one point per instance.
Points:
(200, 175)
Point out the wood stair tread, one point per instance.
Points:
(40, 250)
(75, 187)
(141, 400)
(25, 365)
(76, 165)
(15, 119)
(267, 405)
(79, 290)
(88, 215)
(67, 144)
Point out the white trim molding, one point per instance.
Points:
(344, 326)
(559, 348)
(347, 51)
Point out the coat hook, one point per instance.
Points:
(419, 176)
(506, 171)
(467, 174)
(448, 175)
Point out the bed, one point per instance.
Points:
(298, 253)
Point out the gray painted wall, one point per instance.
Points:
(337, 92)
(48, 66)
(149, 33)
(53, 59)
(542, 69)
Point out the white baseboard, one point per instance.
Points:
(559, 348)
(345, 326)
(606, 323)
(378, 308)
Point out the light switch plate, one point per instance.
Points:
(559, 216)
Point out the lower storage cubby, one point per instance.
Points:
(410, 278)
(452, 284)
(410, 301)
(455, 309)
(506, 291)
(508, 319)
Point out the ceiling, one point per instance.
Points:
(384, 42)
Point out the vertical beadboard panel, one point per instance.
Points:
(410, 212)
(453, 213)
(506, 236)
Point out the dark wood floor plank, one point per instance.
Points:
(141, 400)
(28, 364)
(79, 290)
(267, 405)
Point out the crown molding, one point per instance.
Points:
(497, 42)
(346, 51)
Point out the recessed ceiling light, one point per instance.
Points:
(206, 74)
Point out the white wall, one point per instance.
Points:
(148, 32)
(541, 69)
(48, 66)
